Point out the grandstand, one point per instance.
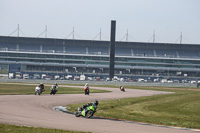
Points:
(66, 56)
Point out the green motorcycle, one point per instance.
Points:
(87, 111)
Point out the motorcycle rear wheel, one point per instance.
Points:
(51, 92)
(77, 114)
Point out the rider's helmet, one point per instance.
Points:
(41, 84)
(56, 83)
(96, 102)
(86, 84)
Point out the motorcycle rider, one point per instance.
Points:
(121, 88)
(41, 87)
(86, 87)
(54, 87)
(95, 103)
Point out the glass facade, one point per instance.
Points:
(86, 56)
(122, 62)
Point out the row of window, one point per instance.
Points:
(99, 63)
(47, 56)
(75, 59)
(158, 65)
(174, 61)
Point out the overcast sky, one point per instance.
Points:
(168, 18)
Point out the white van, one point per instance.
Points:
(25, 76)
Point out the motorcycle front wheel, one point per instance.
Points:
(77, 114)
(89, 113)
(37, 92)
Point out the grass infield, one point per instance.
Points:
(4, 128)
(180, 109)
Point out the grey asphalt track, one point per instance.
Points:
(38, 111)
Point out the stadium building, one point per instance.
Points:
(133, 60)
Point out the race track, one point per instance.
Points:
(37, 111)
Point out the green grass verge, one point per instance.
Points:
(180, 109)
(16, 89)
(4, 128)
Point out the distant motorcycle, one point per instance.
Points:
(38, 90)
(122, 88)
(86, 112)
(87, 91)
(53, 91)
